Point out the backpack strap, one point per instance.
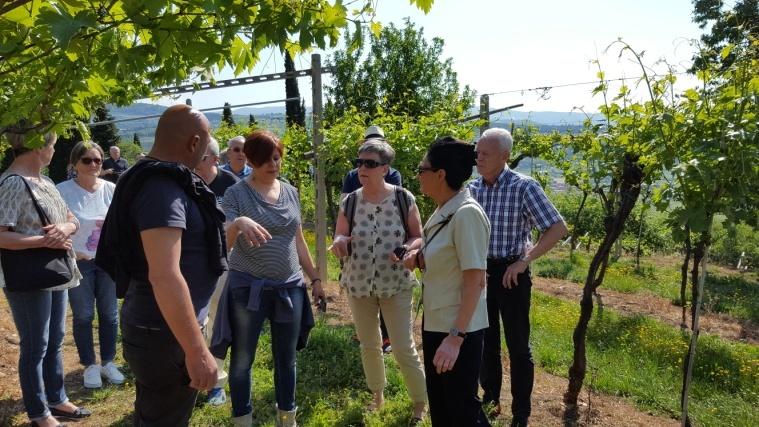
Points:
(404, 203)
(350, 213)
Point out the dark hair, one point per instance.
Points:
(260, 145)
(81, 148)
(455, 157)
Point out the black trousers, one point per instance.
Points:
(512, 306)
(164, 396)
(453, 395)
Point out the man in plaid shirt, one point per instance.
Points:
(515, 204)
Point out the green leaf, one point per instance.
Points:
(63, 26)
(376, 28)
(725, 52)
(424, 5)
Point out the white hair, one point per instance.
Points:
(238, 138)
(213, 145)
(502, 136)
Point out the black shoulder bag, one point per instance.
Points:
(35, 268)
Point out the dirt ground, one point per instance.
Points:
(653, 306)
(548, 410)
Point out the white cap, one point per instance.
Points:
(374, 131)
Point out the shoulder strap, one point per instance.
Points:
(402, 200)
(43, 216)
(444, 222)
(350, 210)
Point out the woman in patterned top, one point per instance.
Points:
(39, 315)
(374, 276)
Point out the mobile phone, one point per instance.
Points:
(400, 251)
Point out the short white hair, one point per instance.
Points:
(213, 146)
(502, 136)
(238, 138)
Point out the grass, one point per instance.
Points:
(734, 295)
(641, 359)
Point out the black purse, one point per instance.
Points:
(36, 268)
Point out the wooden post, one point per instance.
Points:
(485, 112)
(321, 193)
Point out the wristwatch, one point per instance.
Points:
(456, 333)
(524, 259)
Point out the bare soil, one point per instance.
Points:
(648, 304)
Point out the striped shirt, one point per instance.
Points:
(515, 205)
(276, 259)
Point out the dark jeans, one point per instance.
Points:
(40, 318)
(164, 396)
(453, 395)
(513, 307)
(246, 329)
(95, 289)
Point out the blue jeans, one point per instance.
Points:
(40, 320)
(96, 287)
(246, 328)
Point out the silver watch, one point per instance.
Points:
(456, 333)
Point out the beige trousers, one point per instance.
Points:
(397, 311)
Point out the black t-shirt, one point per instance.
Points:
(118, 166)
(163, 203)
(351, 182)
(224, 179)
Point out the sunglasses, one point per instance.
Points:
(89, 160)
(422, 169)
(368, 163)
(236, 149)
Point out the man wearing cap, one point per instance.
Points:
(351, 184)
(237, 164)
(515, 204)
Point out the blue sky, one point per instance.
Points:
(503, 46)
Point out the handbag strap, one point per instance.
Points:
(44, 219)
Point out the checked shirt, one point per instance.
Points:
(515, 205)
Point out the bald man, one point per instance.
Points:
(170, 271)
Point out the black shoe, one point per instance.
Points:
(79, 413)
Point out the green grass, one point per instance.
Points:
(641, 359)
(735, 295)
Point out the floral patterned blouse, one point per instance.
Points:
(17, 211)
(377, 230)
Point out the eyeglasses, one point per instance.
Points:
(368, 163)
(422, 169)
(89, 160)
(236, 149)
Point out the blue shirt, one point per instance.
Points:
(244, 173)
(515, 204)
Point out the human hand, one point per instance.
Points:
(65, 244)
(447, 353)
(253, 231)
(317, 290)
(510, 277)
(340, 245)
(55, 234)
(201, 366)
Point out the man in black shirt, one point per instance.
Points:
(114, 166)
(171, 272)
(217, 179)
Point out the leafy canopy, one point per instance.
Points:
(59, 59)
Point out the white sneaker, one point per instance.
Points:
(112, 373)
(92, 377)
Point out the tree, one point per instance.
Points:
(58, 170)
(226, 115)
(727, 26)
(252, 121)
(60, 59)
(401, 73)
(295, 112)
(105, 135)
(136, 140)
